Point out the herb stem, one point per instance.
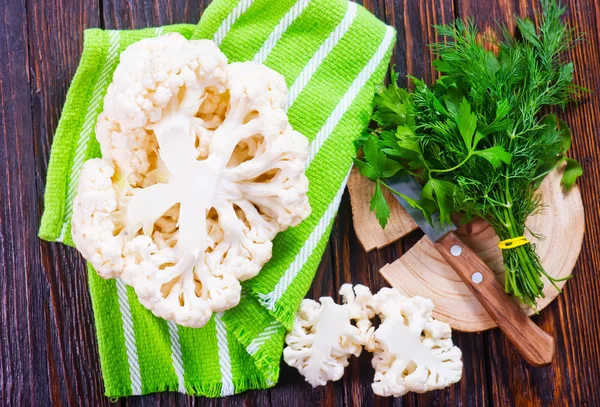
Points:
(532, 279)
(392, 190)
(457, 166)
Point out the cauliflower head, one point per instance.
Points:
(200, 170)
(324, 337)
(411, 350)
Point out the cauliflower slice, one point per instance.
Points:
(200, 170)
(411, 350)
(323, 337)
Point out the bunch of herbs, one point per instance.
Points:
(480, 138)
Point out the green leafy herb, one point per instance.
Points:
(379, 205)
(479, 138)
(573, 170)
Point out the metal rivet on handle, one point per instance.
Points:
(477, 277)
(456, 250)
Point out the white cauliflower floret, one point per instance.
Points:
(411, 350)
(323, 337)
(95, 201)
(200, 170)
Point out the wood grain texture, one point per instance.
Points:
(47, 339)
(367, 228)
(19, 252)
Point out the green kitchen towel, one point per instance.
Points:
(331, 53)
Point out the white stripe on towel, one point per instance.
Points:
(279, 30)
(262, 337)
(319, 56)
(130, 346)
(351, 93)
(176, 357)
(230, 20)
(224, 357)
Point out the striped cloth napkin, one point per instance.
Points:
(331, 53)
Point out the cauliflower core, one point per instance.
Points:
(411, 350)
(200, 171)
(323, 337)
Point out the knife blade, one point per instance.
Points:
(535, 345)
(406, 185)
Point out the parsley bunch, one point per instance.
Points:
(480, 138)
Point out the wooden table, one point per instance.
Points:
(47, 341)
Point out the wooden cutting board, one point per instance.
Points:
(367, 228)
(422, 271)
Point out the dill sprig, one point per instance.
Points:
(480, 138)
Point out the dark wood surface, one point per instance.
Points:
(47, 342)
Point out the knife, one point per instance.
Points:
(535, 345)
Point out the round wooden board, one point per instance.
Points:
(422, 270)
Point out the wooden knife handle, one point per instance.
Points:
(535, 345)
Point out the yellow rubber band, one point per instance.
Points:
(512, 243)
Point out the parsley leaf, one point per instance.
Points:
(467, 123)
(495, 155)
(390, 104)
(380, 206)
(442, 192)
